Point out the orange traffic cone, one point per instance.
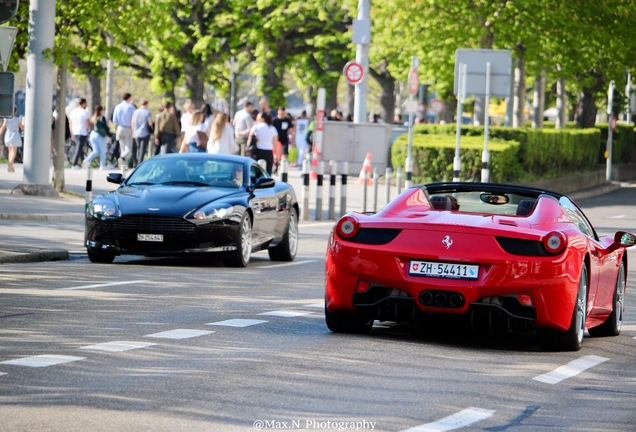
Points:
(366, 168)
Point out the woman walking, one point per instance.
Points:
(12, 139)
(98, 138)
(195, 135)
(222, 136)
(266, 136)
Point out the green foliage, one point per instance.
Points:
(516, 155)
(623, 143)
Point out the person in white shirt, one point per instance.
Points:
(186, 119)
(243, 122)
(302, 125)
(196, 125)
(222, 136)
(11, 128)
(122, 117)
(266, 136)
(80, 125)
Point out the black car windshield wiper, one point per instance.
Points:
(185, 182)
(140, 184)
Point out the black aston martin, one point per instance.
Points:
(194, 203)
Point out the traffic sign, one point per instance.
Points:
(354, 72)
(7, 39)
(7, 92)
(437, 106)
(414, 81)
(8, 8)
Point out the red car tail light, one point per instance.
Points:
(347, 227)
(363, 287)
(525, 299)
(555, 242)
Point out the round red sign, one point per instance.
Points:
(354, 72)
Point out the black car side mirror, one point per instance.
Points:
(263, 183)
(117, 178)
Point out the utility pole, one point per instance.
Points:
(39, 98)
(362, 39)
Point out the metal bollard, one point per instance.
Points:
(321, 174)
(343, 188)
(305, 191)
(398, 180)
(332, 189)
(387, 177)
(374, 200)
(364, 190)
(89, 186)
(284, 168)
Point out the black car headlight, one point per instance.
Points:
(102, 209)
(211, 213)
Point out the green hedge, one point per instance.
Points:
(516, 154)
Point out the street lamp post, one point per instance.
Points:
(233, 71)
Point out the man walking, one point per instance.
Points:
(167, 130)
(282, 125)
(80, 125)
(141, 124)
(243, 122)
(122, 117)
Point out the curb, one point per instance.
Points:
(8, 256)
(43, 217)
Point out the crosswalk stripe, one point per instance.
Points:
(571, 369)
(458, 420)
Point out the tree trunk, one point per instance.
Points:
(519, 100)
(332, 96)
(351, 99)
(272, 85)
(194, 83)
(60, 126)
(95, 92)
(561, 104)
(586, 109)
(538, 100)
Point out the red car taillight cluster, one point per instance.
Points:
(347, 227)
(555, 242)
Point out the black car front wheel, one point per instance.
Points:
(286, 249)
(241, 256)
(99, 257)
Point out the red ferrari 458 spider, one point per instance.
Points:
(503, 256)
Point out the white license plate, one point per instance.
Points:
(150, 237)
(444, 270)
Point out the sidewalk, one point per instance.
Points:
(45, 229)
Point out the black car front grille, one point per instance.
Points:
(153, 224)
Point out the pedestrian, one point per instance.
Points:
(243, 122)
(195, 134)
(302, 126)
(264, 106)
(11, 128)
(141, 126)
(222, 136)
(80, 123)
(167, 130)
(100, 134)
(208, 115)
(282, 125)
(185, 119)
(122, 117)
(266, 136)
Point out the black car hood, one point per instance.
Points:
(169, 200)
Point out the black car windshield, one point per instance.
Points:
(188, 172)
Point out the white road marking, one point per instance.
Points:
(571, 369)
(3, 373)
(179, 334)
(628, 327)
(287, 313)
(237, 322)
(295, 263)
(316, 305)
(459, 420)
(104, 285)
(617, 217)
(117, 346)
(42, 360)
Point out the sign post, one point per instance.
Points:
(610, 131)
(414, 84)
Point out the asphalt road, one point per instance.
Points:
(189, 345)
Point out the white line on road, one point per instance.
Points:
(3, 373)
(42, 360)
(287, 313)
(179, 334)
(571, 369)
(295, 263)
(459, 420)
(117, 346)
(617, 217)
(237, 322)
(104, 285)
(316, 305)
